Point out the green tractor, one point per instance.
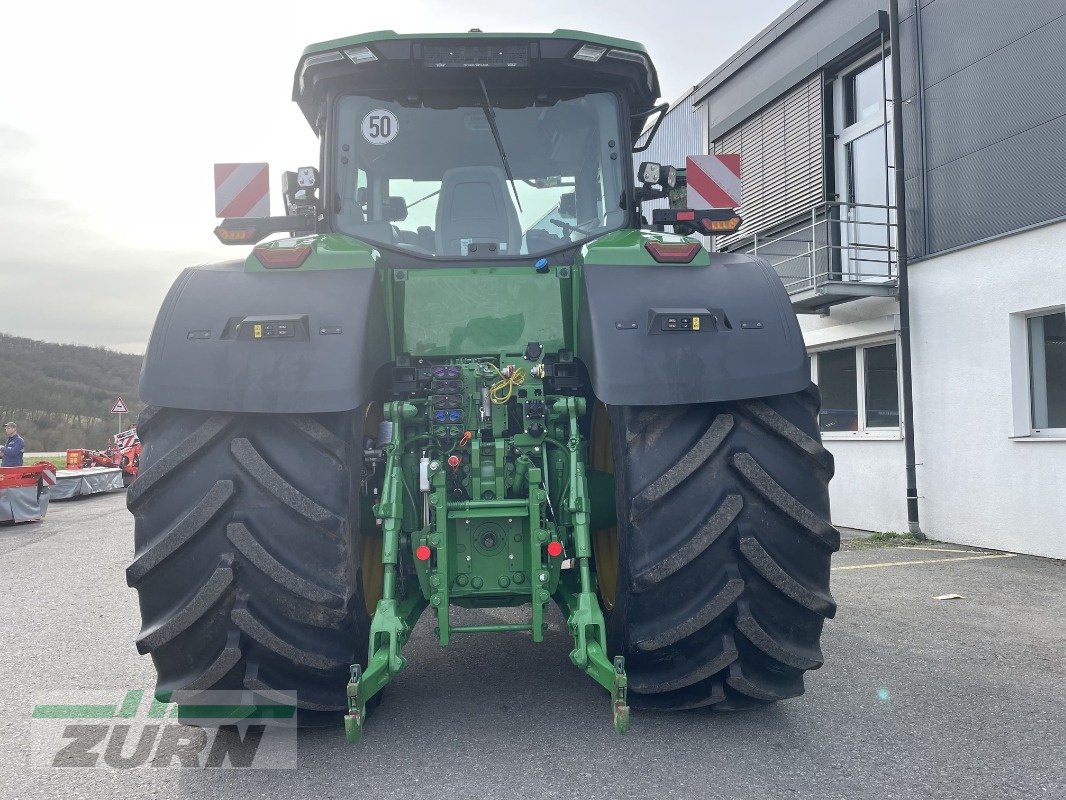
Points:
(474, 377)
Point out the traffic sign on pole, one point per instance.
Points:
(119, 408)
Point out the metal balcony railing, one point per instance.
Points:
(838, 252)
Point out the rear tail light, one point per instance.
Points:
(282, 257)
(673, 252)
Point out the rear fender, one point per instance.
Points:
(748, 344)
(322, 336)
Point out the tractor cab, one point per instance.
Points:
(493, 146)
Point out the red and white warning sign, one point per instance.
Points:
(119, 407)
(48, 476)
(242, 190)
(713, 181)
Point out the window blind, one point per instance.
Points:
(781, 160)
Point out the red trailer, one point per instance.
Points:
(24, 491)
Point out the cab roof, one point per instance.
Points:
(562, 58)
(474, 35)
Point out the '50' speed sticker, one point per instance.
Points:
(380, 126)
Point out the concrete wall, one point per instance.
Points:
(978, 485)
(869, 490)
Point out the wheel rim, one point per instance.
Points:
(371, 569)
(604, 542)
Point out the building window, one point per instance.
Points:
(865, 187)
(860, 391)
(1047, 372)
(864, 92)
(837, 378)
(882, 386)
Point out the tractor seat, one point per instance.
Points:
(475, 207)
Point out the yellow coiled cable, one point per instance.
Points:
(503, 390)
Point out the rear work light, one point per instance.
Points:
(627, 55)
(360, 54)
(636, 58)
(673, 252)
(322, 58)
(590, 52)
(282, 257)
(314, 61)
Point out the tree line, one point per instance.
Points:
(61, 395)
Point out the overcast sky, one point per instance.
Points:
(112, 114)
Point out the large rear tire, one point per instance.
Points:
(248, 553)
(723, 547)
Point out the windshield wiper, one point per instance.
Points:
(567, 227)
(420, 199)
(490, 115)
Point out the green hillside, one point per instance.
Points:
(61, 394)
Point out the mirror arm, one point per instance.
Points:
(662, 108)
(643, 194)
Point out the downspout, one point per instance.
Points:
(901, 266)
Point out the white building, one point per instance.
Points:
(808, 105)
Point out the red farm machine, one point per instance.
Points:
(124, 452)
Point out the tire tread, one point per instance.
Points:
(248, 577)
(724, 547)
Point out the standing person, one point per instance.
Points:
(13, 447)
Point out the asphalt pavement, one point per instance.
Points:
(918, 697)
